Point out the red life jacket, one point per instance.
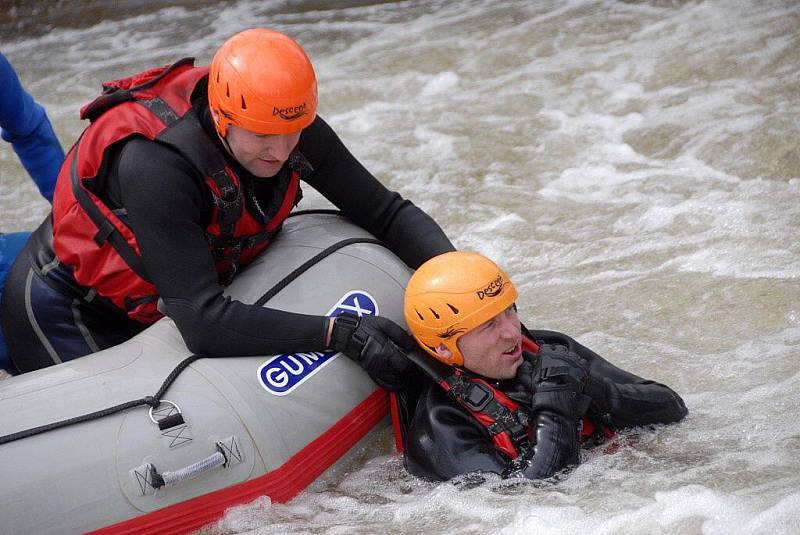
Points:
(95, 242)
(501, 416)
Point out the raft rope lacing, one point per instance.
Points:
(155, 400)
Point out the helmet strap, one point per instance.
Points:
(227, 145)
(224, 139)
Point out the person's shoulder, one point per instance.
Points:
(148, 159)
(425, 399)
(438, 411)
(436, 395)
(141, 146)
(431, 397)
(444, 440)
(151, 173)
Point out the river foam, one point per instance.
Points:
(632, 165)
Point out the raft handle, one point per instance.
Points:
(150, 480)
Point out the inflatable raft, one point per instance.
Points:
(224, 431)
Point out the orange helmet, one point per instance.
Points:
(451, 294)
(261, 80)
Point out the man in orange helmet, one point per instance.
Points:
(505, 399)
(184, 175)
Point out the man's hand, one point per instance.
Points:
(373, 342)
(557, 384)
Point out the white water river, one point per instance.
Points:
(633, 165)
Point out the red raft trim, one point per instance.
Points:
(397, 428)
(281, 484)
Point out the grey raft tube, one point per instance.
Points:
(201, 434)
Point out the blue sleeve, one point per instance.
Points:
(10, 246)
(25, 125)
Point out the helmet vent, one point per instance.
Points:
(454, 309)
(227, 90)
(244, 104)
(420, 315)
(434, 313)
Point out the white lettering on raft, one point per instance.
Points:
(283, 373)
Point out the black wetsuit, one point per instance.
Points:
(444, 440)
(169, 208)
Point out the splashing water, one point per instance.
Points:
(633, 165)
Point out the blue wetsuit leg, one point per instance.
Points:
(25, 125)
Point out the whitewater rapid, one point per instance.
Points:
(633, 165)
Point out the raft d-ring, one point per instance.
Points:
(163, 401)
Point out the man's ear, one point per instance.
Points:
(444, 352)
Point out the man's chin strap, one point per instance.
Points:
(227, 145)
(223, 139)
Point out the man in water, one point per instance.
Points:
(508, 400)
(183, 177)
(24, 124)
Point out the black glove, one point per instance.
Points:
(557, 385)
(555, 446)
(373, 342)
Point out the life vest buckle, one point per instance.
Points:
(103, 233)
(477, 396)
(228, 193)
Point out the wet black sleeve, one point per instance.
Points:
(410, 233)
(626, 398)
(166, 201)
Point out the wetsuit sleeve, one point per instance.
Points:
(165, 201)
(445, 441)
(627, 399)
(408, 231)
